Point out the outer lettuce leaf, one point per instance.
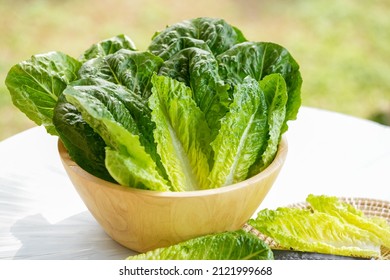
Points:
(133, 106)
(349, 214)
(259, 59)
(132, 69)
(337, 228)
(181, 134)
(198, 69)
(238, 245)
(83, 144)
(35, 85)
(216, 33)
(274, 88)
(242, 136)
(132, 167)
(108, 46)
(109, 117)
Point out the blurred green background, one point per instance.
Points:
(342, 46)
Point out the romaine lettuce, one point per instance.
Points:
(181, 134)
(337, 228)
(259, 59)
(274, 88)
(175, 104)
(108, 116)
(236, 245)
(198, 69)
(348, 214)
(132, 69)
(35, 85)
(108, 46)
(83, 144)
(242, 135)
(216, 33)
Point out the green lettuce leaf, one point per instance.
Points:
(83, 144)
(181, 134)
(259, 59)
(274, 88)
(349, 214)
(109, 117)
(242, 135)
(132, 69)
(132, 105)
(132, 166)
(198, 69)
(237, 245)
(108, 46)
(35, 85)
(216, 33)
(339, 229)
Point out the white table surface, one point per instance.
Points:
(42, 216)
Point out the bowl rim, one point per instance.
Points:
(279, 159)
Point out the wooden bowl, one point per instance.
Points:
(142, 220)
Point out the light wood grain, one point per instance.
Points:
(143, 220)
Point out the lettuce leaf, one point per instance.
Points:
(218, 35)
(237, 245)
(132, 69)
(259, 59)
(348, 214)
(181, 134)
(243, 134)
(109, 117)
(35, 85)
(83, 144)
(274, 88)
(107, 46)
(198, 69)
(337, 229)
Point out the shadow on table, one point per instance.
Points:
(78, 237)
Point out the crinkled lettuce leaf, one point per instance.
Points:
(108, 46)
(181, 134)
(243, 134)
(198, 69)
(218, 35)
(132, 69)
(109, 117)
(83, 144)
(259, 59)
(36, 83)
(236, 245)
(275, 91)
(322, 231)
(347, 213)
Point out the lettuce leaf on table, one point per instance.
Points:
(236, 245)
(346, 213)
(326, 231)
